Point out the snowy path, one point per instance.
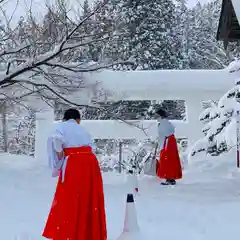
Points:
(201, 207)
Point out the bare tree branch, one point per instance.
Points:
(12, 51)
(91, 68)
(44, 58)
(29, 71)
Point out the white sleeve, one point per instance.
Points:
(57, 143)
(52, 148)
(160, 130)
(91, 143)
(58, 139)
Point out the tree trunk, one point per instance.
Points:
(4, 126)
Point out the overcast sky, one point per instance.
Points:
(38, 6)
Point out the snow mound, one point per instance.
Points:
(193, 209)
(17, 162)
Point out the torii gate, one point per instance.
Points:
(193, 86)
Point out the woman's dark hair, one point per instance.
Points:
(162, 113)
(71, 114)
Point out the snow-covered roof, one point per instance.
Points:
(165, 84)
(236, 6)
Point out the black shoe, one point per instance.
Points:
(165, 183)
(169, 182)
(173, 182)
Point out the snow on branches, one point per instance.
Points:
(47, 58)
(220, 120)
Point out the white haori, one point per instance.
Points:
(66, 135)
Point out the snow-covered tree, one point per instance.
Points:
(191, 31)
(43, 60)
(203, 49)
(220, 120)
(42, 64)
(17, 127)
(91, 52)
(21, 132)
(181, 30)
(107, 23)
(145, 34)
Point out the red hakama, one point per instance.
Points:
(169, 165)
(77, 211)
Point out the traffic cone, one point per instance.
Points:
(132, 182)
(135, 178)
(131, 230)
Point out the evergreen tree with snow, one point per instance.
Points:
(204, 51)
(91, 52)
(220, 120)
(145, 35)
(105, 26)
(181, 30)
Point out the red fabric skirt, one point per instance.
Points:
(78, 211)
(169, 164)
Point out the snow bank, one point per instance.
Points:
(17, 162)
(193, 209)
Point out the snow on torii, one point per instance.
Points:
(164, 84)
(193, 86)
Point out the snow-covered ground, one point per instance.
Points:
(205, 205)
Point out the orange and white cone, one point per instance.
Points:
(131, 230)
(132, 182)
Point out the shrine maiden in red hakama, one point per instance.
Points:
(169, 164)
(77, 211)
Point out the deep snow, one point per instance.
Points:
(203, 206)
